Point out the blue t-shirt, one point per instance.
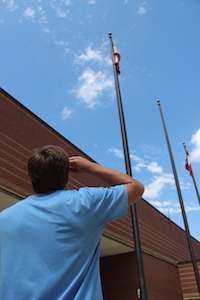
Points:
(50, 244)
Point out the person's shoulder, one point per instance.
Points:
(11, 209)
(18, 204)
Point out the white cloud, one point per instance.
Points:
(91, 1)
(38, 14)
(61, 13)
(120, 154)
(91, 86)
(195, 153)
(172, 207)
(156, 203)
(66, 112)
(141, 10)
(92, 55)
(154, 167)
(63, 44)
(29, 13)
(135, 157)
(158, 182)
(174, 210)
(161, 204)
(139, 167)
(89, 55)
(60, 43)
(59, 9)
(166, 203)
(46, 30)
(10, 5)
(155, 188)
(67, 2)
(117, 152)
(191, 208)
(39, 8)
(94, 80)
(55, 3)
(43, 17)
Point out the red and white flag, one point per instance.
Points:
(188, 165)
(116, 59)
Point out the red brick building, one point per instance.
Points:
(167, 262)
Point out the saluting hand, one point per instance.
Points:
(79, 164)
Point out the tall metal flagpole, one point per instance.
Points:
(181, 201)
(138, 248)
(194, 181)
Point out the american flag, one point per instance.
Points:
(116, 59)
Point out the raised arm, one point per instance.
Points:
(135, 188)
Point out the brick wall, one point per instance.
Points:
(119, 278)
(188, 281)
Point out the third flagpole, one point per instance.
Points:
(194, 263)
(137, 242)
(188, 165)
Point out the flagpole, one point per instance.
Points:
(135, 224)
(194, 181)
(181, 201)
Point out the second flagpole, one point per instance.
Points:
(190, 245)
(137, 242)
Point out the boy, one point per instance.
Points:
(50, 242)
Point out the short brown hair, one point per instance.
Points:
(48, 168)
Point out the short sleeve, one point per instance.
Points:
(107, 204)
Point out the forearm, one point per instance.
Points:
(112, 177)
(135, 188)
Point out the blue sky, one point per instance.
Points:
(55, 59)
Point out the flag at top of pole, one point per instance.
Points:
(188, 165)
(116, 59)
